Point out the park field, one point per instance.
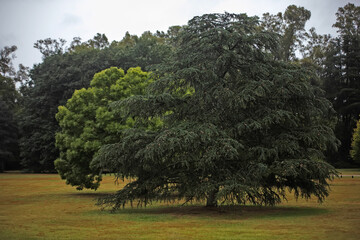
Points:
(41, 206)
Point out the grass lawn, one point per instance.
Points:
(41, 206)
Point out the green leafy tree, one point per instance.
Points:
(145, 51)
(355, 144)
(49, 47)
(341, 77)
(127, 41)
(87, 123)
(8, 137)
(291, 28)
(9, 150)
(252, 128)
(53, 82)
(316, 48)
(10, 105)
(99, 41)
(7, 54)
(170, 35)
(8, 92)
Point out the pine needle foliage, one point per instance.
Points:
(239, 127)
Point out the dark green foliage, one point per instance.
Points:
(55, 79)
(53, 82)
(49, 47)
(355, 144)
(10, 106)
(9, 149)
(290, 27)
(316, 49)
(8, 137)
(341, 76)
(7, 54)
(145, 51)
(238, 126)
(8, 92)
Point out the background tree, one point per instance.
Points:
(7, 54)
(253, 127)
(355, 144)
(145, 51)
(10, 105)
(9, 150)
(342, 77)
(170, 35)
(53, 82)
(291, 28)
(49, 47)
(8, 93)
(87, 123)
(316, 49)
(8, 137)
(100, 41)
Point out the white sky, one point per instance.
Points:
(23, 22)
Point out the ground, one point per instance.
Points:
(41, 206)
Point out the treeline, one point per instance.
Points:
(29, 98)
(28, 126)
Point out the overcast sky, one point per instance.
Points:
(23, 22)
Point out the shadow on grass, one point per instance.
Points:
(92, 195)
(161, 213)
(166, 213)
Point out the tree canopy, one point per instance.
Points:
(64, 70)
(9, 106)
(252, 128)
(8, 127)
(290, 26)
(242, 115)
(341, 76)
(355, 144)
(52, 83)
(86, 123)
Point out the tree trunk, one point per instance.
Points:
(211, 199)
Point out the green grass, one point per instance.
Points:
(41, 206)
